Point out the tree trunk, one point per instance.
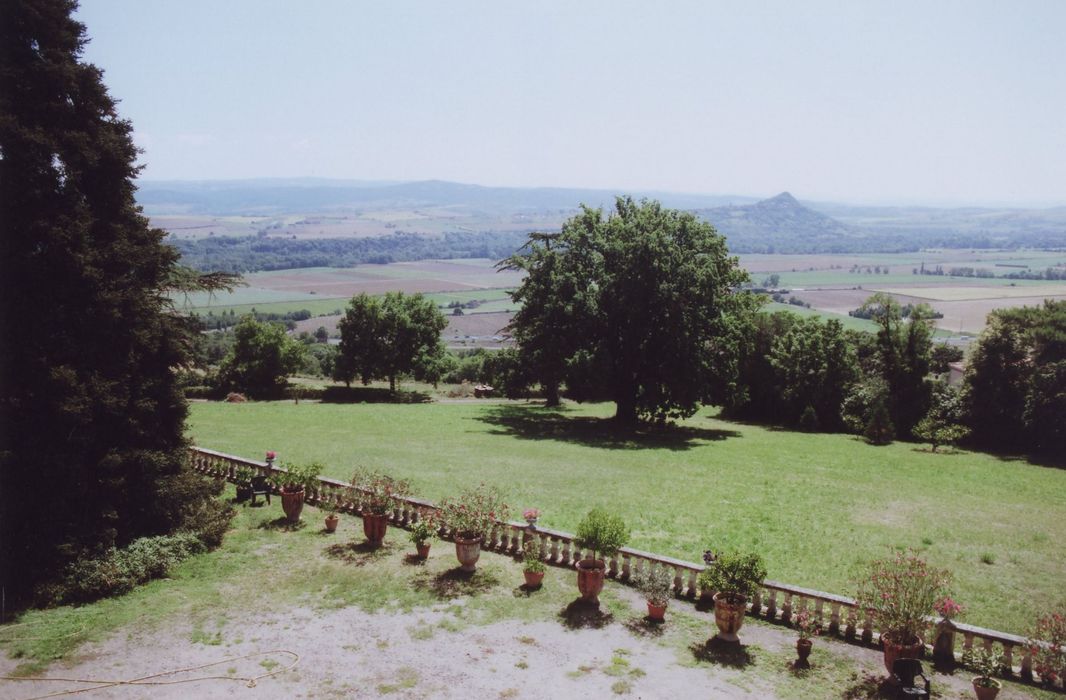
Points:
(625, 411)
(392, 383)
(551, 394)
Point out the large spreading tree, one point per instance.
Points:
(91, 417)
(644, 299)
(262, 358)
(385, 337)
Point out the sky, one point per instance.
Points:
(940, 103)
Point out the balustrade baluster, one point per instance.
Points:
(850, 624)
(867, 627)
(756, 602)
(771, 604)
(612, 566)
(786, 609)
(554, 550)
(566, 552)
(692, 591)
(1027, 664)
(834, 618)
(627, 567)
(679, 582)
(1008, 660)
(967, 642)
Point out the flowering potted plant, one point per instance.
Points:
(1047, 646)
(808, 625)
(530, 515)
(657, 585)
(422, 531)
(734, 577)
(470, 516)
(532, 567)
(944, 641)
(380, 494)
(271, 455)
(598, 533)
(901, 593)
(243, 481)
(293, 483)
(987, 663)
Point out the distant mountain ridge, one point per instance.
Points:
(778, 222)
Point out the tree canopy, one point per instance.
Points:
(385, 337)
(262, 358)
(92, 418)
(645, 301)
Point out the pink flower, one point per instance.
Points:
(271, 454)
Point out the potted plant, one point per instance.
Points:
(901, 593)
(530, 515)
(243, 480)
(734, 577)
(380, 493)
(598, 533)
(330, 509)
(987, 663)
(808, 625)
(657, 585)
(532, 567)
(422, 532)
(293, 483)
(1047, 647)
(469, 517)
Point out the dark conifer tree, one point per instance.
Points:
(90, 413)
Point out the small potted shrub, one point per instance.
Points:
(657, 585)
(901, 593)
(243, 481)
(1047, 646)
(530, 515)
(422, 532)
(330, 509)
(987, 664)
(381, 494)
(532, 567)
(469, 517)
(734, 577)
(808, 625)
(293, 483)
(601, 535)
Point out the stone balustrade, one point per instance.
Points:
(775, 601)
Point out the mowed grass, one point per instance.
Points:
(817, 507)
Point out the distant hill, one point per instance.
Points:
(779, 224)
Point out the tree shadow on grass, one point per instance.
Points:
(584, 615)
(283, 524)
(722, 653)
(536, 423)
(869, 686)
(455, 583)
(358, 553)
(371, 394)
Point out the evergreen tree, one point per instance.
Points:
(91, 416)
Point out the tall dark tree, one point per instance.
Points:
(91, 417)
(815, 366)
(647, 295)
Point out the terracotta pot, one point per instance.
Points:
(803, 650)
(986, 692)
(893, 650)
(374, 527)
(533, 578)
(590, 573)
(657, 613)
(467, 552)
(423, 550)
(331, 522)
(729, 615)
(292, 502)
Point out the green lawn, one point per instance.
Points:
(816, 506)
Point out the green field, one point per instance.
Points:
(816, 506)
(849, 322)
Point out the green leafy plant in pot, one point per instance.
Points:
(987, 663)
(293, 483)
(657, 585)
(243, 480)
(470, 517)
(421, 532)
(734, 577)
(532, 567)
(601, 535)
(380, 494)
(330, 509)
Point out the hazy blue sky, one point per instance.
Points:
(909, 102)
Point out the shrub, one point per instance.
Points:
(808, 421)
(473, 513)
(297, 477)
(601, 533)
(657, 585)
(734, 575)
(879, 429)
(381, 492)
(1048, 647)
(234, 397)
(422, 531)
(902, 592)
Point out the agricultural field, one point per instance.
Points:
(816, 506)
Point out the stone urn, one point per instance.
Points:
(468, 551)
(803, 652)
(729, 615)
(374, 527)
(292, 502)
(590, 573)
(894, 650)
